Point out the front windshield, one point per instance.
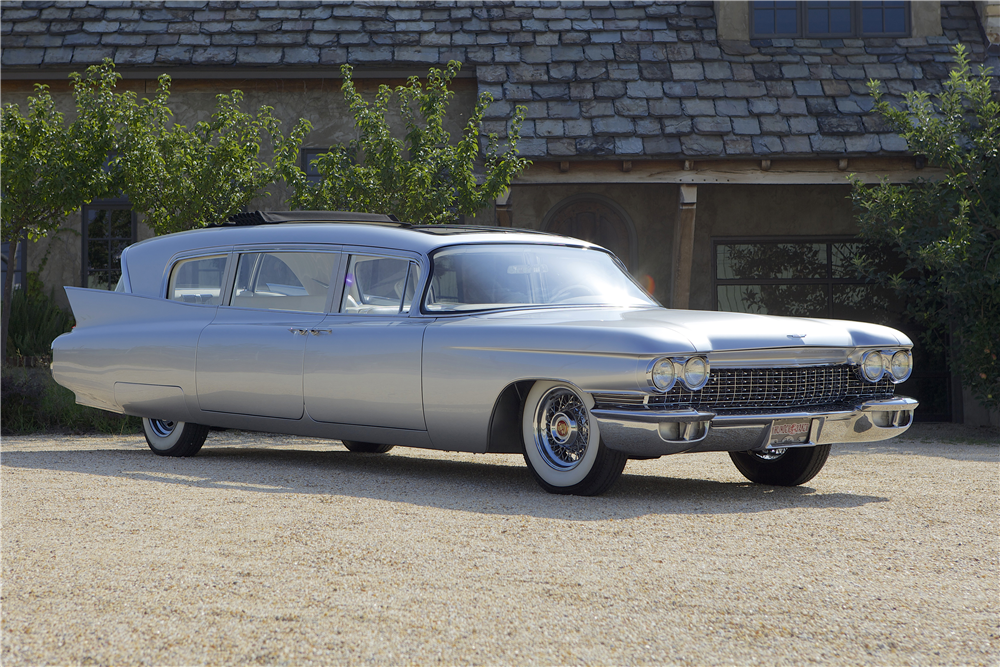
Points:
(485, 277)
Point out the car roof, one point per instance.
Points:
(147, 260)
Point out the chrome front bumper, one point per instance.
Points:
(660, 432)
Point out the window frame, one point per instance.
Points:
(20, 262)
(306, 156)
(856, 32)
(107, 205)
(198, 256)
(239, 253)
(232, 267)
(348, 252)
(829, 281)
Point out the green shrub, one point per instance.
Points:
(32, 402)
(35, 321)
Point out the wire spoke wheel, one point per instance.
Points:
(562, 429)
(562, 442)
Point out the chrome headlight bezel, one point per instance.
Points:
(908, 356)
(657, 374)
(872, 366)
(701, 376)
(680, 369)
(877, 364)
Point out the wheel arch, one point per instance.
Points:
(505, 435)
(505, 421)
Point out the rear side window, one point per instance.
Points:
(198, 280)
(284, 280)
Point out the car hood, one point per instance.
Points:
(703, 330)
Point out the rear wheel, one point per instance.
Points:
(366, 447)
(170, 438)
(782, 467)
(562, 442)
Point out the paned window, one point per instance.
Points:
(883, 18)
(107, 230)
(812, 277)
(775, 19)
(830, 19)
(308, 155)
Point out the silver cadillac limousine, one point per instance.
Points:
(377, 333)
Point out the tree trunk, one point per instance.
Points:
(8, 293)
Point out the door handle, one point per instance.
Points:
(314, 332)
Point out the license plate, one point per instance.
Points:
(789, 431)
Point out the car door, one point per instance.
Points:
(250, 357)
(363, 365)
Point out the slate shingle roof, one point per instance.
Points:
(600, 79)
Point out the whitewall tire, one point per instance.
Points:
(562, 442)
(170, 438)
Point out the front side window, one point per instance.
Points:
(379, 285)
(485, 277)
(297, 281)
(198, 280)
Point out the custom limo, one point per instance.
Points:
(377, 333)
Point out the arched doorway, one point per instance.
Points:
(595, 219)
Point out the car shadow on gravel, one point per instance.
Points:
(488, 487)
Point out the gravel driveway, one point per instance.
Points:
(283, 550)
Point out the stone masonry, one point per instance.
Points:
(630, 80)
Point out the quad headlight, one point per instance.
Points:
(872, 367)
(695, 372)
(663, 373)
(897, 364)
(901, 365)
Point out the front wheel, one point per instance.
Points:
(170, 438)
(562, 442)
(787, 467)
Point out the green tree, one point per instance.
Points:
(421, 178)
(50, 168)
(182, 178)
(947, 230)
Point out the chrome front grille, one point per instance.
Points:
(764, 388)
